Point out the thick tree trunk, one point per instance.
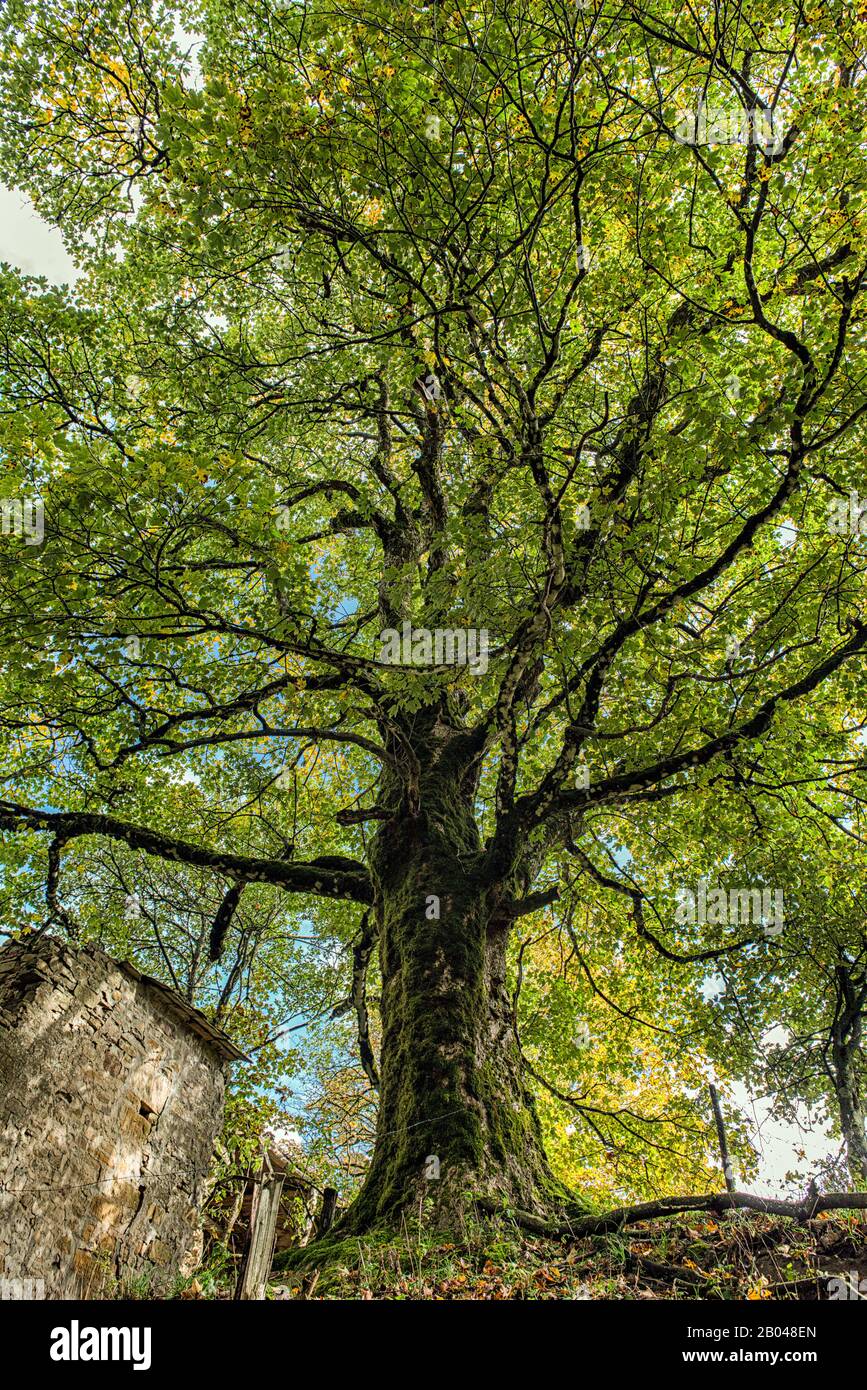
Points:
(455, 1118)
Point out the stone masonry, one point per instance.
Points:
(111, 1093)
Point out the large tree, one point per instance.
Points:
(538, 322)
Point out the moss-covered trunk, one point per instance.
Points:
(455, 1117)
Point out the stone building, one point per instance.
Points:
(111, 1093)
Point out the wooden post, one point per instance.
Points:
(326, 1213)
(264, 1211)
(721, 1136)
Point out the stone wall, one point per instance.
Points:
(109, 1106)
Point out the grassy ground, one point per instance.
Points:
(737, 1256)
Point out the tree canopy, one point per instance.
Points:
(448, 462)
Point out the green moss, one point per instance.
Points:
(344, 1251)
(441, 1094)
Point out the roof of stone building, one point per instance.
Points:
(194, 1018)
(176, 1004)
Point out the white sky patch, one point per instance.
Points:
(712, 986)
(189, 44)
(283, 1137)
(180, 778)
(777, 1036)
(28, 242)
(776, 1143)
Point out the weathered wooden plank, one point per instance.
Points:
(263, 1233)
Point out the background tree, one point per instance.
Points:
(798, 1009)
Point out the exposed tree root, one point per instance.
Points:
(718, 1203)
(668, 1274)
